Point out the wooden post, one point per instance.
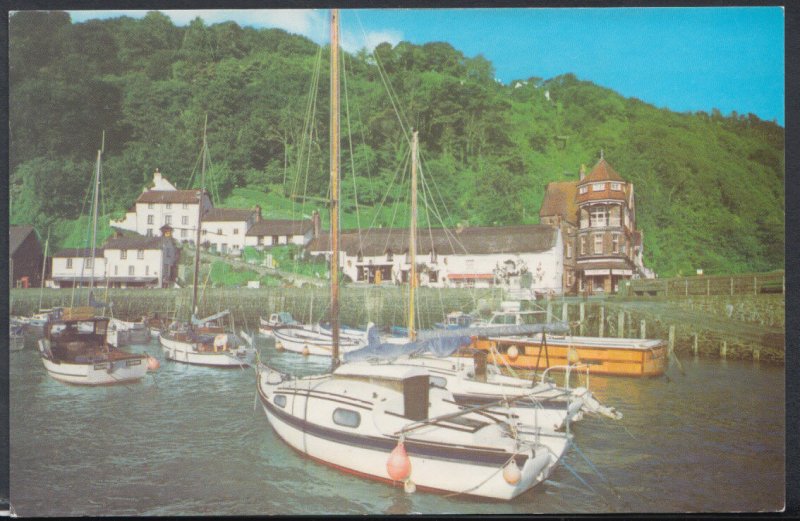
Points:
(671, 341)
(602, 321)
(642, 329)
(694, 345)
(621, 324)
(723, 350)
(582, 318)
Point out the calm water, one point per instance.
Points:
(188, 441)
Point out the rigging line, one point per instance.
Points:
(312, 127)
(430, 233)
(386, 194)
(310, 101)
(350, 143)
(194, 169)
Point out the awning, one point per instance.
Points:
(465, 276)
(597, 272)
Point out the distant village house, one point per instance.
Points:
(24, 257)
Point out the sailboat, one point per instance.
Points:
(387, 422)
(75, 347)
(200, 342)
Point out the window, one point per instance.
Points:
(236, 231)
(167, 219)
(569, 250)
(598, 243)
(140, 254)
(116, 270)
(274, 239)
(433, 276)
(169, 206)
(260, 240)
(583, 245)
(123, 254)
(185, 206)
(205, 232)
(598, 216)
(616, 186)
(219, 231)
(88, 262)
(149, 232)
(279, 400)
(184, 219)
(583, 189)
(615, 242)
(346, 417)
(150, 206)
(69, 264)
(147, 269)
(131, 271)
(149, 219)
(184, 232)
(598, 187)
(438, 381)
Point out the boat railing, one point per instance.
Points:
(568, 368)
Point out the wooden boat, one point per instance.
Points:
(276, 321)
(74, 350)
(608, 356)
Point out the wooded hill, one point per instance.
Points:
(709, 187)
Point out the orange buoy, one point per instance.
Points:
(512, 353)
(305, 351)
(153, 364)
(511, 473)
(399, 465)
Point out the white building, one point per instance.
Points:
(527, 256)
(75, 267)
(162, 204)
(272, 232)
(141, 261)
(224, 229)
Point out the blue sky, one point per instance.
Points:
(684, 59)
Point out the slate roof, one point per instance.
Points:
(268, 227)
(17, 235)
(477, 240)
(135, 242)
(227, 214)
(169, 196)
(79, 252)
(602, 171)
(560, 199)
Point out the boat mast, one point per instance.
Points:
(334, 160)
(412, 239)
(94, 215)
(199, 219)
(44, 266)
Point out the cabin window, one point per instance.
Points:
(140, 254)
(123, 254)
(169, 206)
(274, 239)
(346, 418)
(149, 219)
(583, 189)
(598, 187)
(184, 219)
(279, 400)
(598, 243)
(69, 264)
(131, 271)
(438, 381)
(616, 186)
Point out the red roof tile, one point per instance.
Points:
(602, 171)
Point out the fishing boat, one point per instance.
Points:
(200, 341)
(275, 321)
(75, 350)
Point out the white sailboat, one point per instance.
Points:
(387, 422)
(199, 342)
(75, 346)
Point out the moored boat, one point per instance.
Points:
(276, 321)
(308, 341)
(75, 350)
(125, 333)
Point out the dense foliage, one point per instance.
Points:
(709, 187)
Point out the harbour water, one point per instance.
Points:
(188, 441)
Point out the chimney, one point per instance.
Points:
(156, 177)
(258, 214)
(315, 220)
(583, 171)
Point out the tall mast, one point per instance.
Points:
(44, 266)
(412, 239)
(199, 218)
(334, 160)
(94, 214)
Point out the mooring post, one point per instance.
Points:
(723, 350)
(671, 341)
(621, 324)
(642, 329)
(694, 344)
(582, 317)
(602, 320)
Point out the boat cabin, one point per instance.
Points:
(71, 339)
(413, 383)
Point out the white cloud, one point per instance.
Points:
(354, 42)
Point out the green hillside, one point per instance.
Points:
(709, 187)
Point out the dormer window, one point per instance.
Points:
(616, 186)
(598, 187)
(583, 189)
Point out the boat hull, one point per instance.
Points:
(306, 342)
(99, 373)
(606, 356)
(188, 352)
